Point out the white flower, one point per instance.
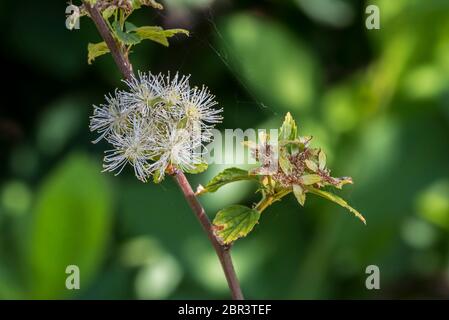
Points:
(159, 121)
(199, 106)
(172, 90)
(177, 147)
(200, 112)
(130, 148)
(143, 92)
(111, 117)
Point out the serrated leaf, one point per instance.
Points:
(235, 222)
(227, 176)
(126, 38)
(334, 198)
(309, 179)
(94, 50)
(200, 167)
(157, 34)
(299, 193)
(288, 130)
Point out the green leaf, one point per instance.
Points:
(126, 38)
(309, 179)
(200, 167)
(94, 50)
(299, 193)
(284, 163)
(312, 166)
(71, 225)
(108, 12)
(322, 160)
(150, 3)
(136, 4)
(334, 198)
(235, 222)
(130, 27)
(172, 32)
(288, 130)
(157, 34)
(227, 176)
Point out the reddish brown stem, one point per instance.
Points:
(121, 60)
(222, 251)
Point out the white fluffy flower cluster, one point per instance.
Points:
(156, 122)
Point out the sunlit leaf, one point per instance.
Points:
(311, 165)
(227, 176)
(157, 34)
(322, 159)
(309, 179)
(299, 193)
(332, 197)
(108, 12)
(172, 32)
(284, 163)
(288, 129)
(235, 222)
(94, 50)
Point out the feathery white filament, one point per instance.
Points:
(158, 121)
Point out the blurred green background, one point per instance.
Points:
(376, 100)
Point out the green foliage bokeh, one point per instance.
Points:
(376, 100)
